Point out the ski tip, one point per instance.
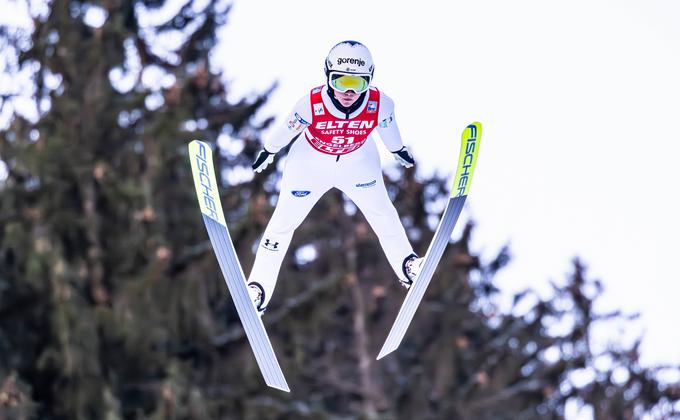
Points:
(195, 145)
(205, 181)
(467, 159)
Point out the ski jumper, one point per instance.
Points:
(333, 150)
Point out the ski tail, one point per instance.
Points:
(209, 200)
(461, 186)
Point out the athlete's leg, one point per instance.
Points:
(306, 177)
(362, 182)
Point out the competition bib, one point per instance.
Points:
(337, 136)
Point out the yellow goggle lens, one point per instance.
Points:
(347, 82)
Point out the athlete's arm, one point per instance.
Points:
(389, 132)
(296, 122)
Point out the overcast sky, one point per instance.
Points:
(580, 102)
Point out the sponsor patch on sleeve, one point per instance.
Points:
(297, 123)
(387, 121)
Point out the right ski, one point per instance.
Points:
(206, 189)
(461, 186)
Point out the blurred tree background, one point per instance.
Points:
(111, 301)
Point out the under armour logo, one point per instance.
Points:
(271, 246)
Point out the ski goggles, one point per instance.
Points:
(343, 82)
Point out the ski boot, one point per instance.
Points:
(411, 267)
(256, 292)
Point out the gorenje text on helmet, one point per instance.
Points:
(351, 61)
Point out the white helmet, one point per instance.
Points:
(350, 57)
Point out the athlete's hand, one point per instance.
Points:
(404, 157)
(263, 159)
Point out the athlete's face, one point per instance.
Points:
(346, 98)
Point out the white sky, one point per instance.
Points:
(580, 102)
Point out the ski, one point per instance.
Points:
(205, 182)
(467, 160)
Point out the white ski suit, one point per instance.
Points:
(313, 167)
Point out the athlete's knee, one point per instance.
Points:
(386, 218)
(280, 225)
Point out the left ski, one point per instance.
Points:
(213, 217)
(466, 166)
